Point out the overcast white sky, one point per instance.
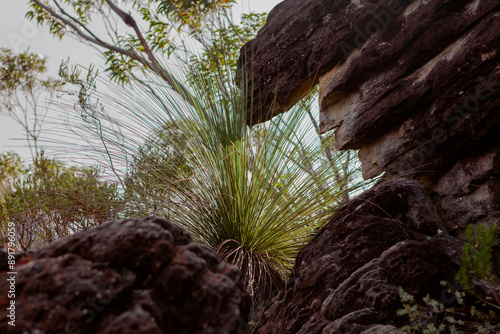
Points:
(19, 34)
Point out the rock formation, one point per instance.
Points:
(130, 276)
(414, 85)
(346, 279)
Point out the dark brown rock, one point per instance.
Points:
(470, 191)
(299, 43)
(130, 276)
(346, 280)
(414, 85)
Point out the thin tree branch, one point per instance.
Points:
(127, 19)
(154, 65)
(88, 38)
(75, 20)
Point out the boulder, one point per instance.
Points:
(346, 279)
(130, 276)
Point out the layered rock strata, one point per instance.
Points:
(414, 85)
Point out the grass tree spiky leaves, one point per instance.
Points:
(255, 195)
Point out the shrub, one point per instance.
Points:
(50, 201)
(475, 306)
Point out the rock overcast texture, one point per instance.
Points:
(131, 276)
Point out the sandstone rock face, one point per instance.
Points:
(299, 43)
(346, 280)
(131, 276)
(413, 84)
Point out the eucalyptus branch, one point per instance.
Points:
(75, 20)
(154, 65)
(89, 38)
(86, 37)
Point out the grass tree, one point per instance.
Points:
(179, 145)
(254, 195)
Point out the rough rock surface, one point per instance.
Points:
(130, 276)
(346, 279)
(413, 84)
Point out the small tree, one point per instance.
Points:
(11, 169)
(49, 201)
(160, 166)
(22, 85)
(477, 273)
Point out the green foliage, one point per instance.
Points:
(48, 201)
(22, 83)
(11, 169)
(120, 67)
(477, 305)
(132, 34)
(432, 316)
(160, 166)
(477, 273)
(22, 71)
(191, 14)
(220, 55)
